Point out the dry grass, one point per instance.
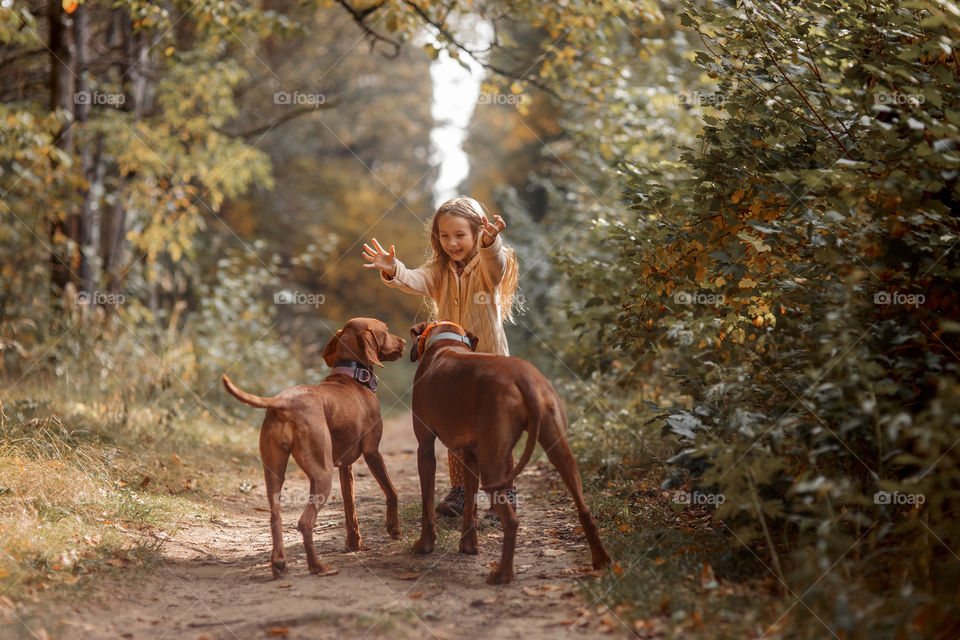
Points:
(85, 488)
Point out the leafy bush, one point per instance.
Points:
(800, 284)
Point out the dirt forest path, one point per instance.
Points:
(215, 580)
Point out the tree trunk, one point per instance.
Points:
(82, 224)
(61, 97)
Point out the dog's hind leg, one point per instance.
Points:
(554, 442)
(315, 457)
(274, 460)
(471, 482)
(354, 541)
(319, 491)
(508, 520)
(427, 467)
(379, 470)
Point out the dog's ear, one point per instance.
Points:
(474, 341)
(330, 351)
(367, 345)
(415, 332)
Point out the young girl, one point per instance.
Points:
(471, 279)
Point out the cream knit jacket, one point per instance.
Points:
(469, 299)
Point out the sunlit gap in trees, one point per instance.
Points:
(455, 94)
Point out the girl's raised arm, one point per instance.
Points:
(394, 274)
(492, 256)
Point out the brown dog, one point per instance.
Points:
(481, 404)
(330, 424)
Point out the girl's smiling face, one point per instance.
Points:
(456, 238)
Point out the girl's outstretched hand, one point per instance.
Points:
(491, 230)
(380, 258)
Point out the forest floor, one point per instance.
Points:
(214, 581)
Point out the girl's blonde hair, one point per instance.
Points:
(472, 211)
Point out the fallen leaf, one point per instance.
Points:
(707, 579)
(530, 591)
(284, 586)
(409, 576)
(278, 631)
(414, 596)
(553, 552)
(176, 460)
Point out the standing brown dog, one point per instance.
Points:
(481, 404)
(326, 425)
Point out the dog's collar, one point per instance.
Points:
(358, 372)
(446, 335)
(425, 339)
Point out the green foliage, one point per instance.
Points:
(800, 285)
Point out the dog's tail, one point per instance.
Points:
(252, 400)
(534, 417)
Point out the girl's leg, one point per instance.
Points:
(457, 467)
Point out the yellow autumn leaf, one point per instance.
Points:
(748, 283)
(737, 196)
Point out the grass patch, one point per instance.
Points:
(86, 487)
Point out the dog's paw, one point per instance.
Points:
(323, 570)
(352, 546)
(393, 532)
(498, 577)
(600, 559)
(469, 548)
(279, 568)
(421, 546)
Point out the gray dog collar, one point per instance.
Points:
(447, 335)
